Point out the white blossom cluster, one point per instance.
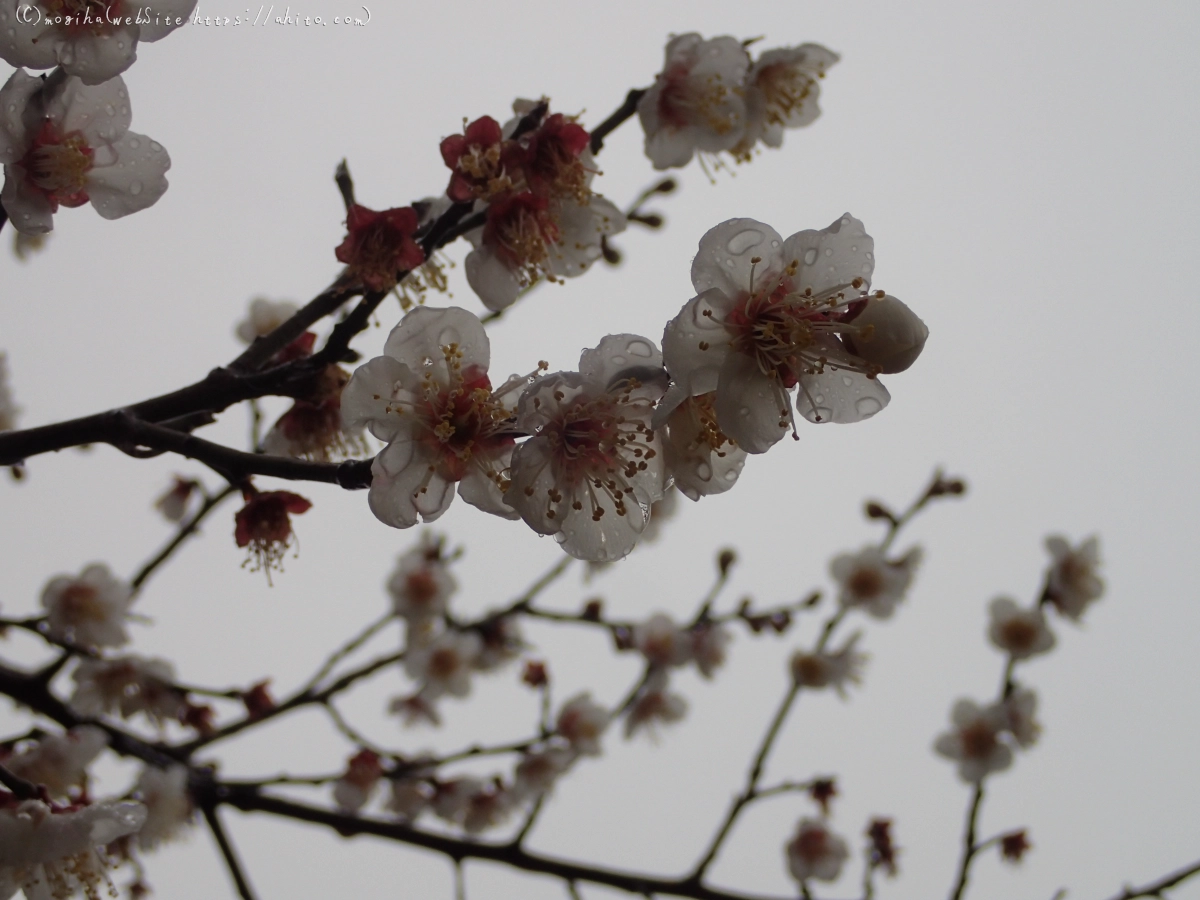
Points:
(64, 137)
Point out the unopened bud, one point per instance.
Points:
(888, 335)
(666, 186)
(593, 609)
(876, 510)
(650, 220)
(612, 255)
(726, 558)
(535, 674)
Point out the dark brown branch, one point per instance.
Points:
(1155, 888)
(970, 848)
(609, 125)
(227, 852)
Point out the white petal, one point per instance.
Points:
(366, 400)
(725, 254)
(29, 210)
(621, 356)
(14, 98)
(100, 112)
(483, 493)
(840, 396)
(582, 227)
(751, 408)
(419, 338)
(832, 257)
(95, 57)
(404, 488)
(33, 44)
(135, 179)
(491, 279)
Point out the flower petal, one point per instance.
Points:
(839, 395)
(725, 257)
(751, 407)
(135, 180)
(832, 257)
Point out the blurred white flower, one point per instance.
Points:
(89, 610)
(92, 41)
(410, 797)
(781, 92)
(662, 642)
(868, 581)
(1072, 582)
(582, 722)
(834, 669)
(353, 790)
(974, 742)
(654, 706)
(1021, 633)
(60, 761)
(173, 503)
(444, 665)
(593, 466)
(64, 143)
(538, 770)
(709, 641)
(125, 686)
(169, 808)
(815, 852)
(1019, 709)
(264, 317)
(696, 102)
(421, 584)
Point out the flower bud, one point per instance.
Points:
(889, 335)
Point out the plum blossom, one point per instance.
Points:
(528, 237)
(708, 646)
(582, 722)
(1021, 633)
(538, 770)
(353, 790)
(662, 642)
(125, 686)
(696, 103)
(173, 503)
(264, 525)
(770, 315)
(60, 761)
(92, 41)
(821, 669)
(169, 807)
(379, 246)
(654, 705)
(474, 804)
(444, 665)
(429, 397)
(265, 316)
(1072, 582)
(410, 797)
(312, 428)
(593, 466)
(781, 92)
(869, 581)
(815, 852)
(700, 457)
(53, 853)
(421, 584)
(1019, 708)
(974, 742)
(8, 406)
(89, 610)
(65, 143)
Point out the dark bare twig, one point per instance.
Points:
(1155, 888)
(185, 531)
(228, 853)
(970, 848)
(22, 789)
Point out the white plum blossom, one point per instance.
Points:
(836, 669)
(265, 316)
(1072, 582)
(696, 102)
(593, 466)
(769, 316)
(65, 143)
(430, 399)
(473, 803)
(662, 642)
(410, 797)
(125, 686)
(89, 610)
(815, 852)
(353, 790)
(8, 406)
(93, 41)
(538, 770)
(654, 705)
(52, 854)
(781, 92)
(421, 585)
(529, 237)
(169, 807)
(173, 503)
(582, 722)
(1021, 633)
(501, 643)
(869, 581)
(60, 761)
(444, 665)
(700, 457)
(1019, 708)
(975, 740)
(708, 646)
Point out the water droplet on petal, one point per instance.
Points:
(704, 471)
(729, 262)
(867, 406)
(640, 348)
(619, 360)
(847, 380)
(120, 45)
(810, 256)
(744, 411)
(870, 255)
(829, 251)
(743, 241)
(135, 187)
(854, 248)
(134, 143)
(775, 244)
(866, 268)
(820, 398)
(155, 146)
(108, 108)
(121, 93)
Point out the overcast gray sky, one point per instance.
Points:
(1028, 172)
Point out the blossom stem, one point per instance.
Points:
(750, 791)
(970, 848)
(185, 531)
(346, 649)
(1156, 888)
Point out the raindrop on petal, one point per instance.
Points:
(867, 406)
(810, 256)
(743, 241)
(135, 187)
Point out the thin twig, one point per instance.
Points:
(227, 852)
(1155, 888)
(346, 649)
(185, 531)
(970, 848)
